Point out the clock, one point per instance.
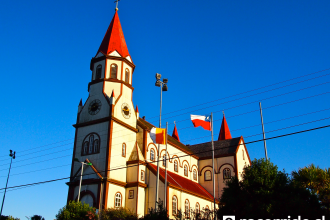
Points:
(125, 110)
(94, 107)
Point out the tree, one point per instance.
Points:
(265, 192)
(37, 217)
(77, 211)
(317, 181)
(8, 218)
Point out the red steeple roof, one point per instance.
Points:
(114, 39)
(224, 131)
(176, 134)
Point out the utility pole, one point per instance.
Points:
(263, 131)
(13, 156)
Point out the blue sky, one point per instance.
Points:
(209, 51)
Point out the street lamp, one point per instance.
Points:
(163, 87)
(81, 173)
(13, 156)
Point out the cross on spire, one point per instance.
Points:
(117, 4)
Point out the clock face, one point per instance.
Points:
(94, 107)
(125, 110)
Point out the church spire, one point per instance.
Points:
(224, 130)
(114, 39)
(175, 133)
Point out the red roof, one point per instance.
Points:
(182, 182)
(224, 131)
(114, 39)
(175, 133)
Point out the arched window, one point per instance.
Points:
(123, 152)
(96, 146)
(197, 208)
(174, 205)
(152, 155)
(243, 154)
(207, 207)
(98, 72)
(207, 175)
(91, 144)
(187, 208)
(91, 141)
(185, 170)
(127, 76)
(164, 160)
(113, 71)
(195, 174)
(176, 166)
(118, 200)
(226, 173)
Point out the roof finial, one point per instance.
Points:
(174, 123)
(117, 4)
(223, 112)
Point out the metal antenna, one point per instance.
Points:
(117, 4)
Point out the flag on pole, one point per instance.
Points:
(158, 135)
(201, 120)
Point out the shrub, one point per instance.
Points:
(76, 211)
(118, 214)
(159, 214)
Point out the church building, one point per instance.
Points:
(110, 135)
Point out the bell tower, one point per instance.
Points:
(106, 127)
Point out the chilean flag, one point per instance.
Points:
(201, 120)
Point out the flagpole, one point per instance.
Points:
(160, 125)
(213, 165)
(165, 204)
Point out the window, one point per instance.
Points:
(131, 194)
(186, 208)
(185, 170)
(176, 166)
(152, 155)
(91, 144)
(123, 153)
(91, 140)
(197, 208)
(164, 160)
(243, 154)
(127, 76)
(226, 173)
(207, 175)
(85, 148)
(195, 175)
(96, 145)
(174, 205)
(113, 71)
(98, 72)
(142, 175)
(118, 199)
(207, 207)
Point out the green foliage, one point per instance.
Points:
(316, 180)
(118, 213)
(37, 217)
(3, 217)
(77, 211)
(265, 192)
(204, 214)
(159, 214)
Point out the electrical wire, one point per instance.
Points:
(125, 167)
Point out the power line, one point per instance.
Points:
(222, 99)
(125, 167)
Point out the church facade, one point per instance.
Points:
(111, 135)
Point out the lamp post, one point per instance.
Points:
(81, 173)
(163, 87)
(13, 156)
